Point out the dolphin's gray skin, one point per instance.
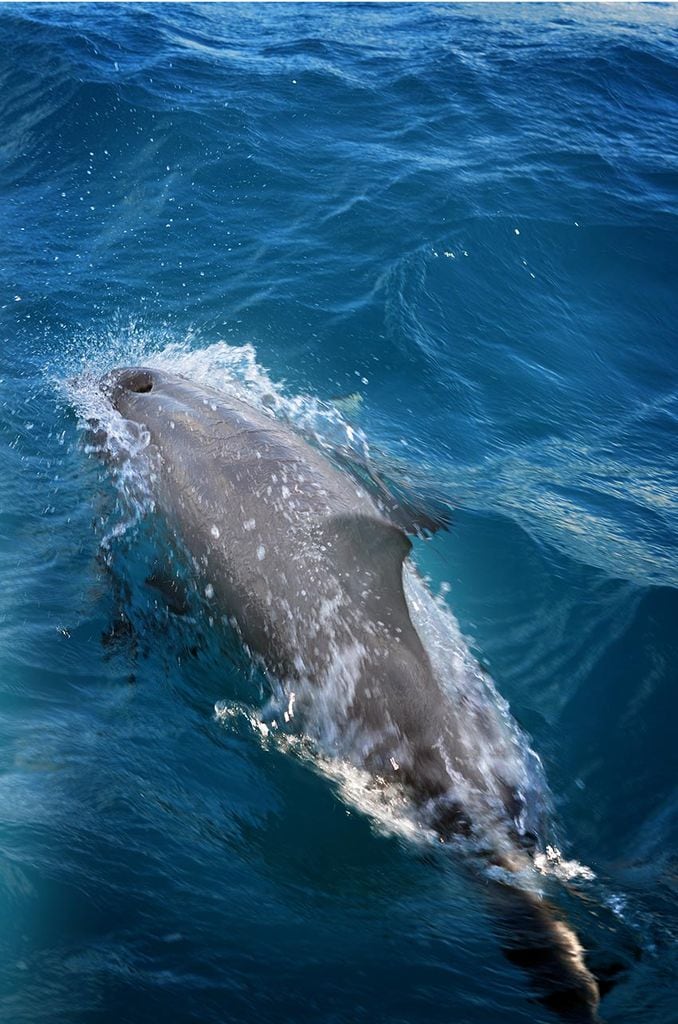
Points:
(310, 568)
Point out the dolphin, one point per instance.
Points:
(308, 566)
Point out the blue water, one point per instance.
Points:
(466, 219)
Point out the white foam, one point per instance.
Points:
(552, 862)
(124, 447)
(486, 734)
(385, 805)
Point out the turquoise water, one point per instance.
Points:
(465, 219)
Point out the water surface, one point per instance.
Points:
(464, 218)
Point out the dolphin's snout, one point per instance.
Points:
(127, 380)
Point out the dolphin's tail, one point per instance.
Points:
(536, 938)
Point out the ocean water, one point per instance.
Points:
(461, 221)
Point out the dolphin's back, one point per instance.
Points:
(278, 531)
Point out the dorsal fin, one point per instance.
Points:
(370, 553)
(372, 535)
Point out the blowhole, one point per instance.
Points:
(141, 382)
